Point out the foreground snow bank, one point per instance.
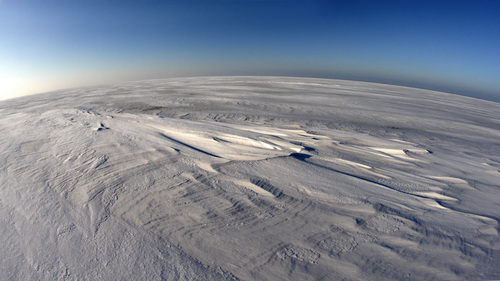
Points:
(252, 178)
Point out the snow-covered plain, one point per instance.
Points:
(250, 178)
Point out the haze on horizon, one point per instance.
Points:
(449, 46)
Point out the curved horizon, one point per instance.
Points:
(482, 96)
(444, 46)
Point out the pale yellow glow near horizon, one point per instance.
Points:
(13, 87)
(16, 86)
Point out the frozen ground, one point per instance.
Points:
(250, 178)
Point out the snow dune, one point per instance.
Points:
(249, 178)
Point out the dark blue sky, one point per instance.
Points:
(443, 45)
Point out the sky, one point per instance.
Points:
(450, 46)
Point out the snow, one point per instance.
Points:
(251, 178)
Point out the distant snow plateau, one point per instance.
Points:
(249, 178)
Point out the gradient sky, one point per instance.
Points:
(451, 46)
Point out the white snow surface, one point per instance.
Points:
(249, 178)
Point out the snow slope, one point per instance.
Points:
(250, 178)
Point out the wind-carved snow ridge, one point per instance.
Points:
(249, 178)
